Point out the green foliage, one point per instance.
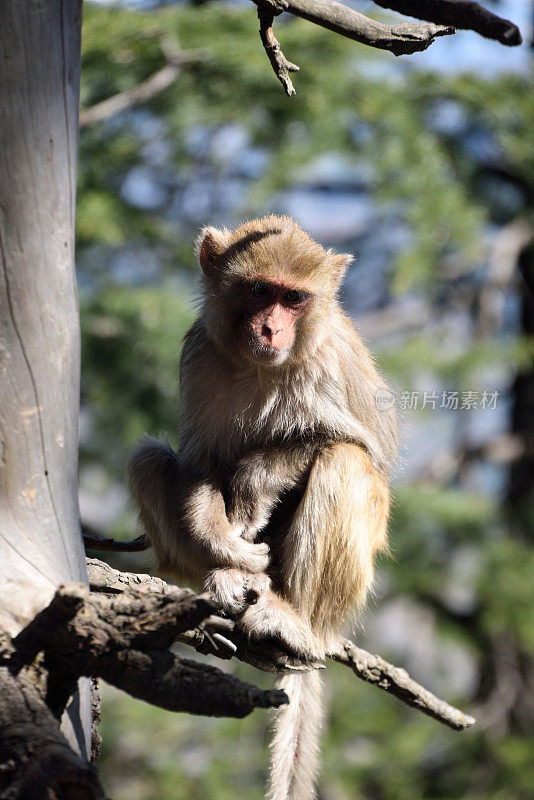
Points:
(458, 363)
(509, 564)
(130, 348)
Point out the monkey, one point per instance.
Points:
(277, 499)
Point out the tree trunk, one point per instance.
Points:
(40, 543)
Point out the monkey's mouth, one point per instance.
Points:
(265, 353)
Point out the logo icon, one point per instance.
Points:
(384, 399)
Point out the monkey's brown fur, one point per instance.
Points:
(279, 487)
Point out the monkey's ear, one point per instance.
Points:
(211, 243)
(340, 262)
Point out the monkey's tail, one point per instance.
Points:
(295, 745)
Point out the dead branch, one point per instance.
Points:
(461, 14)
(408, 37)
(215, 635)
(281, 66)
(222, 638)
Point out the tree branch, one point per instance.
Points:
(281, 66)
(144, 91)
(123, 638)
(36, 761)
(141, 93)
(442, 18)
(408, 37)
(461, 14)
(375, 670)
(270, 657)
(214, 636)
(92, 540)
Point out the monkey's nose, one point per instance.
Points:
(270, 332)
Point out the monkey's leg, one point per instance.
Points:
(185, 517)
(327, 568)
(329, 549)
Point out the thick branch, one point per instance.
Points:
(215, 635)
(408, 37)
(221, 638)
(35, 760)
(460, 13)
(123, 638)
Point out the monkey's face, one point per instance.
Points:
(272, 312)
(268, 290)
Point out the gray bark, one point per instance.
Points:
(40, 543)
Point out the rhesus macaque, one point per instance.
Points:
(277, 499)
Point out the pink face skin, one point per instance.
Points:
(271, 313)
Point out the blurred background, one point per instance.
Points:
(423, 167)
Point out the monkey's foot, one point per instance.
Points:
(235, 589)
(271, 616)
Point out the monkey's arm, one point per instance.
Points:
(185, 518)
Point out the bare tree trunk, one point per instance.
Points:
(40, 543)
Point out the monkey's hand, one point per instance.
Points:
(235, 589)
(240, 554)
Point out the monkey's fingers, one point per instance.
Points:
(250, 557)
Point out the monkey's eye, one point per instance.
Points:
(293, 296)
(259, 289)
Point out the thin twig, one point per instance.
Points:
(395, 680)
(141, 93)
(281, 66)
